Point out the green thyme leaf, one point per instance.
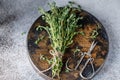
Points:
(23, 33)
(39, 39)
(66, 70)
(94, 34)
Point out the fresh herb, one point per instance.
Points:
(39, 39)
(23, 33)
(42, 57)
(94, 34)
(61, 30)
(98, 26)
(80, 31)
(66, 70)
(39, 28)
(76, 50)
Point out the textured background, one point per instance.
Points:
(17, 16)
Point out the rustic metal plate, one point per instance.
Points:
(99, 54)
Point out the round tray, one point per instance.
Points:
(99, 54)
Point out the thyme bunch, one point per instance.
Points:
(61, 30)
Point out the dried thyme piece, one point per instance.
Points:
(61, 30)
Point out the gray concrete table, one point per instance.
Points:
(17, 16)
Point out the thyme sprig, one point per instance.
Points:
(61, 30)
(94, 34)
(39, 39)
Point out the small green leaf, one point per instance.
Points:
(39, 39)
(66, 70)
(94, 34)
(23, 33)
(76, 50)
(81, 32)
